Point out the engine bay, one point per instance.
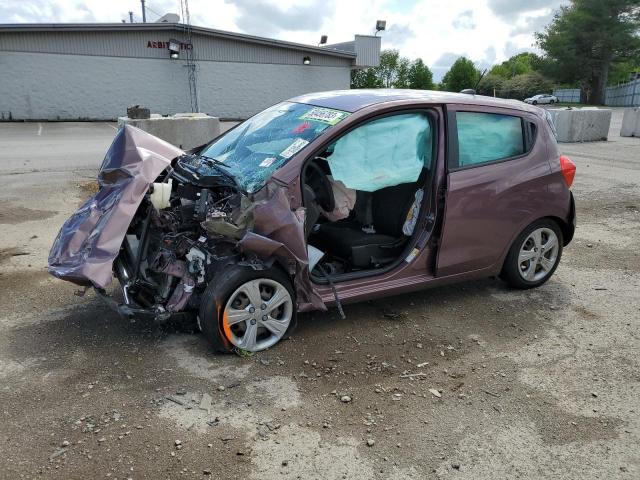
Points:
(176, 243)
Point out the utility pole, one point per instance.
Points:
(144, 12)
(190, 62)
(130, 17)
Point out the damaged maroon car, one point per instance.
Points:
(324, 199)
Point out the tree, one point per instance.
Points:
(491, 84)
(394, 71)
(621, 72)
(420, 77)
(526, 85)
(462, 74)
(519, 64)
(585, 38)
(387, 71)
(402, 73)
(365, 78)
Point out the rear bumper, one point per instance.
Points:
(571, 222)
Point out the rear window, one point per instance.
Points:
(488, 137)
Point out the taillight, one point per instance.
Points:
(568, 169)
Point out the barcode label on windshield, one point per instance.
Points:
(297, 145)
(324, 115)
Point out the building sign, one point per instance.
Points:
(165, 45)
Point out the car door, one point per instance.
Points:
(495, 179)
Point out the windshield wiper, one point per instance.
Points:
(230, 180)
(214, 161)
(218, 163)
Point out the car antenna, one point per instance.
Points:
(475, 88)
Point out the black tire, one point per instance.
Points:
(535, 102)
(551, 102)
(511, 270)
(217, 294)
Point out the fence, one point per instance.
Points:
(624, 95)
(567, 95)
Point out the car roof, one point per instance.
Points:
(356, 99)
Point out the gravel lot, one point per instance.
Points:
(535, 384)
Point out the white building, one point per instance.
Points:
(95, 71)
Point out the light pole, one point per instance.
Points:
(144, 12)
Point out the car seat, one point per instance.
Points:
(350, 239)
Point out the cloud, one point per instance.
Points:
(511, 49)
(262, 18)
(81, 11)
(488, 60)
(533, 24)
(397, 35)
(464, 21)
(443, 64)
(438, 32)
(447, 59)
(34, 11)
(510, 10)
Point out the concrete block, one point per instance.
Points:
(581, 124)
(630, 123)
(184, 130)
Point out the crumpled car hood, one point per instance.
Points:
(89, 241)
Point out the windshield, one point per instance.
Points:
(255, 149)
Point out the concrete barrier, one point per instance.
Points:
(184, 130)
(630, 123)
(589, 124)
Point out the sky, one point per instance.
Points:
(438, 31)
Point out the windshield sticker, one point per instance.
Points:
(267, 162)
(301, 128)
(297, 145)
(324, 115)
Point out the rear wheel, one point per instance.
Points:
(534, 255)
(248, 309)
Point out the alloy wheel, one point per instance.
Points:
(538, 254)
(258, 314)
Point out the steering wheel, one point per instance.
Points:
(317, 180)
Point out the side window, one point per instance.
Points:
(488, 137)
(383, 152)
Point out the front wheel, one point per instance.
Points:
(246, 309)
(534, 255)
(535, 102)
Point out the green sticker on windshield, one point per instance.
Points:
(324, 115)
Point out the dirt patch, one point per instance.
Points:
(15, 215)
(585, 313)
(540, 383)
(7, 253)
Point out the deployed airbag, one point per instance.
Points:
(483, 137)
(382, 153)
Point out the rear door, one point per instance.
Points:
(495, 179)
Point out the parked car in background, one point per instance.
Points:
(326, 198)
(541, 99)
